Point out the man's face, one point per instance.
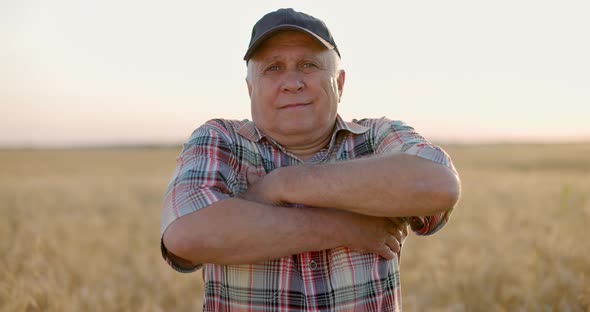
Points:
(294, 87)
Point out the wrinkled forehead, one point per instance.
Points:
(290, 38)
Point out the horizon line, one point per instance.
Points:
(157, 145)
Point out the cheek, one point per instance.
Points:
(263, 92)
(330, 87)
(334, 85)
(260, 102)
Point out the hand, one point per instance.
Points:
(402, 225)
(261, 188)
(382, 236)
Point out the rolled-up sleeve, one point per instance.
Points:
(203, 176)
(396, 136)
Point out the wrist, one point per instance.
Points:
(331, 226)
(291, 184)
(277, 181)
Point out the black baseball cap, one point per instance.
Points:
(283, 19)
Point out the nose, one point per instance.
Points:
(293, 81)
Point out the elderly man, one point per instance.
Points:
(298, 210)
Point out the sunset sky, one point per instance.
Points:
(120, 72)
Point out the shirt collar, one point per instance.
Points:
(252, 133)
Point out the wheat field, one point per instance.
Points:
(80, 232)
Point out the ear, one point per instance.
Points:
(340, 81)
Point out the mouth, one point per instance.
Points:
(295, 105)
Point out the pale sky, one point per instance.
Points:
(113, 71)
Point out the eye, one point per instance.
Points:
(309, 67)
(272, 68)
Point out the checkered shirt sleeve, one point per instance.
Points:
(203, 176)
(393, 136)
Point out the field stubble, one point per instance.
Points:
(80, 232)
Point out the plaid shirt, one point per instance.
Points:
(212, 167)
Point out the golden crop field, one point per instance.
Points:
(80, 232)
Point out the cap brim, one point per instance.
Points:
(274, 30)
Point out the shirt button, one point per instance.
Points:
(313, 265)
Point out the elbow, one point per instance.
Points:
(437, 193)
(448, 192)
(183, 245)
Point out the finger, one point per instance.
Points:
(405, 230)
(252, 175)
(400, 230)
(404, 226)
(393, 244)
(397, 232)
(401, 237)
(386, 252)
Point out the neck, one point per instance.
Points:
(308, 150)
(303, 147)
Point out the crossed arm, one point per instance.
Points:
(352, 203)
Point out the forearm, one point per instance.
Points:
(237, 231)
(395, 185)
